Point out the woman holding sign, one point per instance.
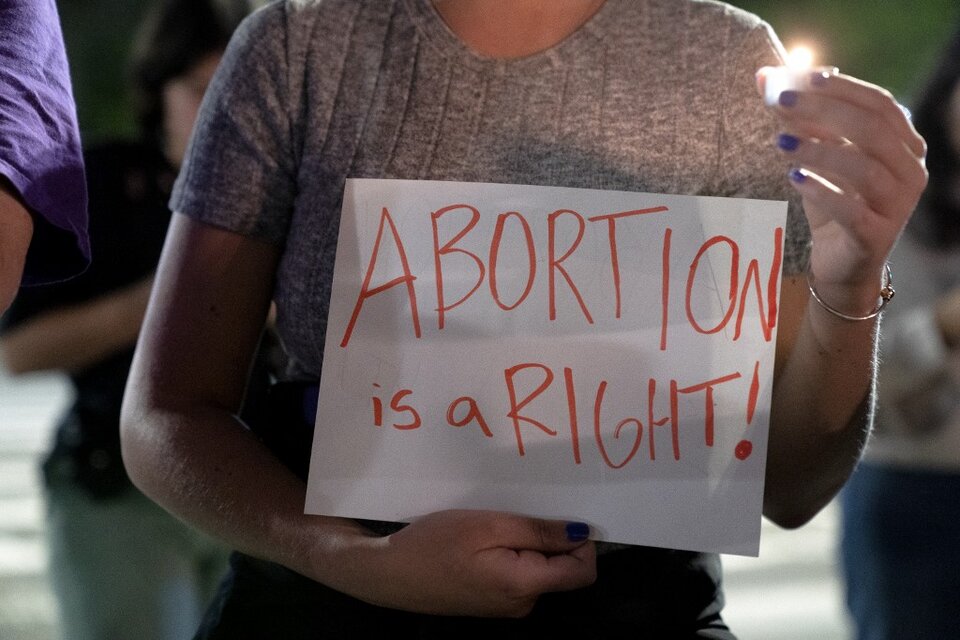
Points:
(654, 96)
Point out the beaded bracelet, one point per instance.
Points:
(886, 295)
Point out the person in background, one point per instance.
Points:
(121, 567)
(652, 96)
(43, 201)
(901, 508)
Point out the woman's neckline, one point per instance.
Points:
(438, 33)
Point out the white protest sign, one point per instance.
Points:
(587, 355)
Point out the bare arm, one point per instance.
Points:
(74, 337)
(16, 229)
(184, 447)
(822, 405)
(863, 172)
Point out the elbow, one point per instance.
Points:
(135, 445)
(804, 478)
(793, 507)
(790, 518)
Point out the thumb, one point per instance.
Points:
(547, 536)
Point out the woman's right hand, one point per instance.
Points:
(476, 563)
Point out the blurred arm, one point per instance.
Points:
(78, 336)
(16, 229)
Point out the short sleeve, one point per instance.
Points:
(39, 139)
(240, 168)
(750, 165)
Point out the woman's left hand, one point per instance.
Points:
(859, 166)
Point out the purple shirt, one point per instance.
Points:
(39, 139)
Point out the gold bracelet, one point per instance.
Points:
(886, 295)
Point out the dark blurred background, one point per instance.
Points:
(888, 42)
(98, 35)
(792, 591)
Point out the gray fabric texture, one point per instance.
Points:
(648, 95)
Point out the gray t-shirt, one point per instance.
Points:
(649, 95)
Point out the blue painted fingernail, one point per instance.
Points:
(798, 175)
(788, 142)
(577, 531)
(788, 98)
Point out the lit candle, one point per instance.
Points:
(795, 75)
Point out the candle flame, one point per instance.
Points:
(800, 57)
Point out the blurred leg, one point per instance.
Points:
(122, 568)
(900, 552)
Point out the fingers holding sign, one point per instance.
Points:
(859, 166)
(481, 563)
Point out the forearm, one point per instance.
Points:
(821, 412)
(184, 447)
(16, 230)
(202, 465)
(73, 338)
(205, 467)
(182, 442)
(859, 167)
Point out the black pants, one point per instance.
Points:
(640, 593)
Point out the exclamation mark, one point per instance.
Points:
(745, 447)
(377, 409)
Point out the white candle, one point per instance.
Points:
(793, 76)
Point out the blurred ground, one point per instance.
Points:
(790, 593)
(28, 407)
